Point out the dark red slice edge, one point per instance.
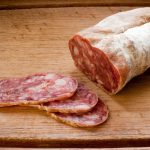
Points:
(96, 116)
(82, 101)
(36, 89)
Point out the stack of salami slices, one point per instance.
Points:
(62, 97)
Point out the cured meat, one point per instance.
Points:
(96, 116)
(82, 101)
(36, 89)
(115, 50)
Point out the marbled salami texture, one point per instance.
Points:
(36, 89)
(96, 116)
(115, 50)
(82, 101)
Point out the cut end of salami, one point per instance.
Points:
(94, 63)
(114, 50)
(82, 101)
(96, 116)
(36, 89)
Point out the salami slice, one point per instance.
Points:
(36, 89)
(96, 116)
(115, 50)
(82, 101)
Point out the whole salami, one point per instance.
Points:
(36, 89)
(115, 50)
(82, 101)
(96, 116)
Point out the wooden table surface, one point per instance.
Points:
(35, 40)
(13, 4)
(128, 148)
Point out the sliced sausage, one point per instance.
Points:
(82, 101)
(36, 89)
(96, 116)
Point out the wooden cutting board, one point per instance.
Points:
(35, 40)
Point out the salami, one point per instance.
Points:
(36, 89)
(96, 116)
(115, 50)
(82, 101)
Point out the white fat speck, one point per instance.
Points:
(93, 116)
(90, 53)
(89, 122)
(79, 62)
(60, 82)
(76, 119)
(76, 51)
(32, 88)
(99, 81)
(38, 87)
(49, 76)
(83, 106)
(92, 66)
(97, 77)
(28, 81)
(84, 55)
(23, 97)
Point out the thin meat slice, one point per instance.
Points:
(82, 101)
(115, 50)
(36, 89)
(96, 116)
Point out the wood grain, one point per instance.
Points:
(13, 4)
(35, 40)
(128, 148)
